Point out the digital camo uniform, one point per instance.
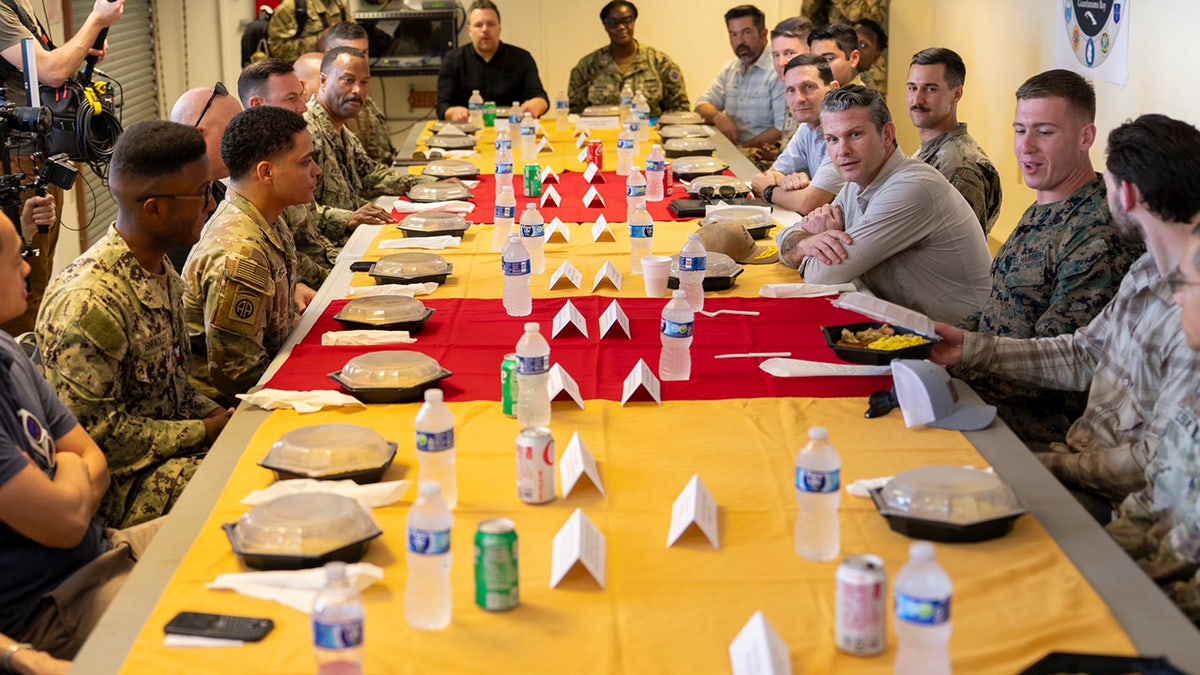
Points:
(596, 80)
(282, 40)
(847, 12)
(1159, 526)
(239, 299)
(115, 348)
(1059, 268)
(964, 163)
(349, 176)
(371, 129)
(315, 252)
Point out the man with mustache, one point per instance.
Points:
(349, 176)
(746, 101)
(935, 86)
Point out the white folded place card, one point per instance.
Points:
(614, 315)
(882, 310)
(578, 542)
(548, 175)
(583, 156)
(694, 505)
(758, 650)
(601, 229)
(592, 175)
(610, 272)
(569, 316)
(577, 462)
(582, 139)
(544, 145)
(550, 195)
(559, 380)
(641, 377)
(557, 227)
(566, 271)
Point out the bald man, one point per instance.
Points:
(209, 110)
(308, 69)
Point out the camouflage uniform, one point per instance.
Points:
(350, 177)
(115, 347)
(1058, 269)
(316, 252)
(372, 131)
(239, 298)
(1159, 526)
(960, 159)
(596, 80)
(282, 40)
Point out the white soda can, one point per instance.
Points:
(860, 626)
(535, 466)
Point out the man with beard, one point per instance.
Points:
(746, 101)
(1133, 358)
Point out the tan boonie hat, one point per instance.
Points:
(734, 241)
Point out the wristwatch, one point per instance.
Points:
(11, 652)
(769, 192)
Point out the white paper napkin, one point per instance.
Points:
(174, 640)
(298, 589)
(803, 290)
(300, 401)
(341, 338)
(460, 154)
(433, 243)
(373, 495)
(453, 206)
(409, 290)
(801, 368)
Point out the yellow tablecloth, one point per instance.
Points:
(665, 610)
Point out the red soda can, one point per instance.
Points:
(535, 466)
(595, 153)
(860, 626)
(668, 178)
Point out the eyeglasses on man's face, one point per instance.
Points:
(615, 23)
(218, 90)
(1177, 282)
(205, 196)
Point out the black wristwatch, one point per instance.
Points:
(768, 192)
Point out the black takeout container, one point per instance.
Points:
(874, 357)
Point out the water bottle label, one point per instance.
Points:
(635, 125)
(339, 635)
(643, 115)
(624, 144)
(529, 131)
(428, 542)
(635, 191)
(641, 231)
(504, 144)
(515, 120)
(696, 264)
(655, 166)
(677, 330)
(502, 169)
(508, 212)
(530, 231)
(823, 482)
(435, 442)
(922, 612)
(562, 105)
(627, 100)
(533, 365)
(475, 107)
(519, 268)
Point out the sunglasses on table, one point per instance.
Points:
(218, 90)
(709, 193)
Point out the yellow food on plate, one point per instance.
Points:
(895, 342)
(864, 337)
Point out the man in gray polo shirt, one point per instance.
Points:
(897, 225)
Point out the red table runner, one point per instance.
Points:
(470, 337)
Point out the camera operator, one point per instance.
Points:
(55, 65)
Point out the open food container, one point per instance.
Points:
(411, 267)
(451, 168)
(385, 312)
(399, 376)
(853, 342)
(720, 272)
(688, 147)
(948, 504)
(681, 117)
(439, 191)
(331, 452)
(434, 224)
(756, 221)
(684, 131)
(302, 530)
(466, 142)
(689, 168)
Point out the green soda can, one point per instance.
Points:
(489, 113)
(497, 581)
(508, 385)
(533, 180)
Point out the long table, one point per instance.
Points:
(1043, 588)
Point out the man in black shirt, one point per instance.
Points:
(501, 72)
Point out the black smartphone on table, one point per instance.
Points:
(224, 626)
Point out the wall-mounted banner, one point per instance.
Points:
(1093, 38)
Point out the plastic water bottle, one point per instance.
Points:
(818, 492)
(337, 621)
(533, 230)
(641, 238)
(625, 150)
(693, 259)
(635, 192)
(656, 166)
(435, 445)
(503, 140)
(562, 111)
(514, 117)
(517, 299)
(675, 363)
(505, 216)
(642, 110)
(504, 169)
(475, 108)
(427, 600)
(533, 369)
(923, 592)
(626, 103)
(528, 139)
